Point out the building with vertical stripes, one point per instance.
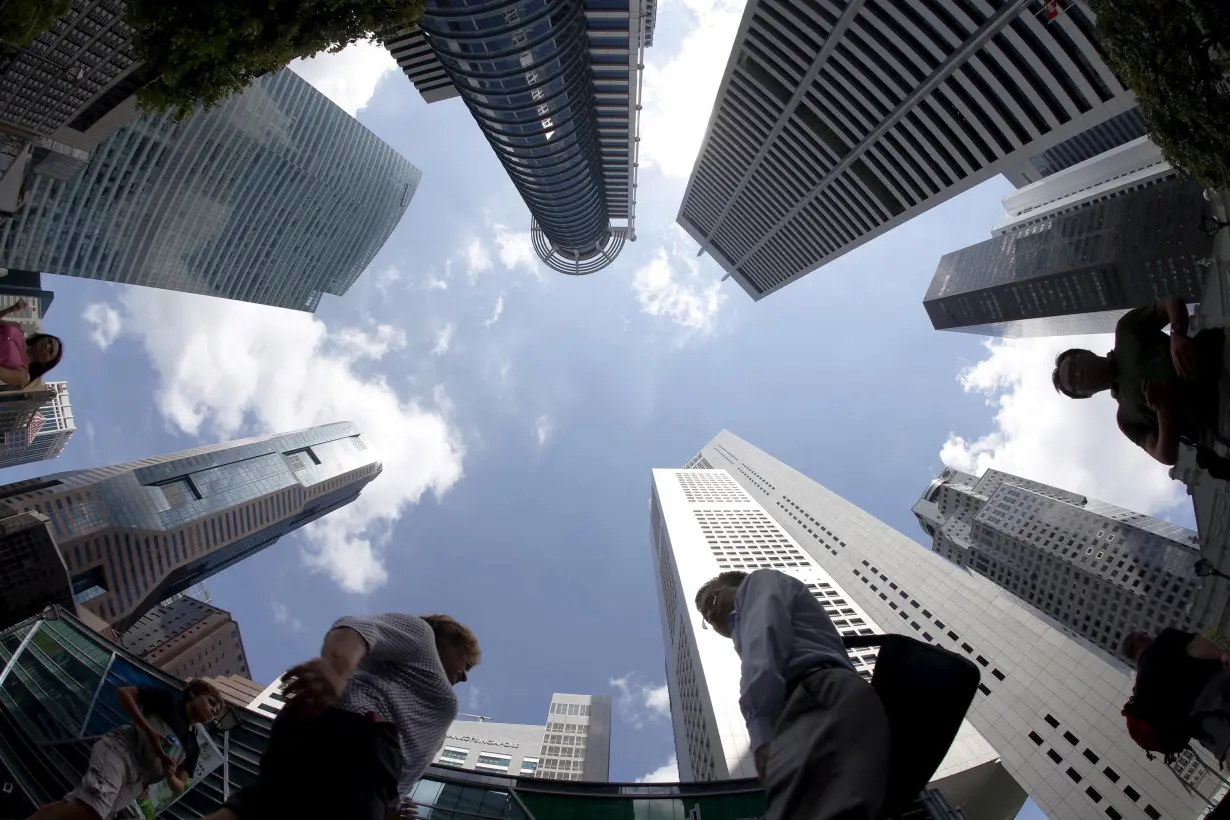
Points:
(137, 533)
(274, 196)
(837, 120)
(44, 438)
(1048, 703)
(555, 86)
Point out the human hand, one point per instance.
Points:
(408, 810)
(19, 305)
(1157, 394)
(1225, 660)
(316, 685)
(156, 740)
(762, 761)
(1183, 354)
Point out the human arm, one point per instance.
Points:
(1162, 444)
(15, 376)
(1202, 648)
(765, 631)
(1182, 351)
(177, 779)
(17, 306)
(130, 701)
(318, 684)
(406, 810)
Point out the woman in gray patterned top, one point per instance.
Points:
(362, 722)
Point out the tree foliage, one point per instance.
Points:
(1175, 55)
(23, 20)
(196, 53)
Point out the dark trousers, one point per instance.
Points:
(339, 765)
(829, 760)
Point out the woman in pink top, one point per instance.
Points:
(24, 359)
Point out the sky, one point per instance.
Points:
(518, 412)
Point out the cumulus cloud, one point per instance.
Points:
(104, 322)
(477, 257)
(1042, 435)
(667, 773)
(227, 369)
(387, 278)
(431, 282)
(496, 313)
(349, 77)
(281, 615)
(638, 702)
(443, 339)
(671, 286)
(516, 250)
(543, 428)
(679, 91)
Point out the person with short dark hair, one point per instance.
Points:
(1181, 678)
(1167, 387)
(362, 722)
(819, 734)
(159, 744)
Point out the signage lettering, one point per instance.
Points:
(506, 744)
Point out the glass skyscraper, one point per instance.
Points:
(137, 533)
(555, 88)
(1076, 270)
(275, 196)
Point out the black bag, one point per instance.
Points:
(1153, 733)
(926, 691)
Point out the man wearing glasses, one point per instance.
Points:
(818, 732)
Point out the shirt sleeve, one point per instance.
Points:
(153, 701)
(390, 636)
(1142, 319)
(1135, 430)
(765, 635)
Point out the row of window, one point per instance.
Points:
(1076, 777)
(574, 709)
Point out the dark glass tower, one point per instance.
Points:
(137, 533)
(1078, 270)
(554, 86)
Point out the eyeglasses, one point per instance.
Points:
(707, 607)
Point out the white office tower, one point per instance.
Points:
(703, 523)
(1048, 703)
(837, 120)
(50, 428)
(1100, 570)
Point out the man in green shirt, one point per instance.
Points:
(1166, 386)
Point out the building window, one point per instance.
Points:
(455, 754)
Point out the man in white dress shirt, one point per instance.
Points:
(819, 735)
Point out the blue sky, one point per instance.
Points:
(518, 412)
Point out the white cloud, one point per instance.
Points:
(638, 702)
(281, 615)
(387, 278)
(670, 285)
(472, 698)
(228, 369)
(432, 283)
(516, 250)
(1042, 435)
(362, 344)
(496, 313)
(104, 322)
(668, 773)
(543, 428)
(443, 339)
(349, 77)
(679, 92)
(477, 258)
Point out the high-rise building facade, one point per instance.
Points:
(189, 639)
(1048, 702)
(492, 748)
(274, 196)
(577, 743)
(1118, 130)
(136, 533)
(702, 524)
(837, 121)
(556, 89)
(1100, 570)
(1078, 249)
(50, 427)
(34, 576)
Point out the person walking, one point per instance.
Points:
(362, 722)
(819, 734)
(25, 358)
(1182, 687)
(1167, 386)
(159, 744)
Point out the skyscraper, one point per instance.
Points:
(1100, 570)
(274, 196)
(577, 744)
(838, 121)
(189, 639)
(1048, 703)
(51, 426)
(1076, 250)
(557, 94)
(1118, 130)
(34, 574)
(134, 534)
